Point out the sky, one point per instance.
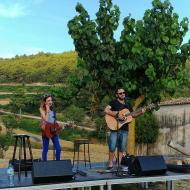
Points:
(31, 26)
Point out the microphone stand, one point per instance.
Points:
(118, 170)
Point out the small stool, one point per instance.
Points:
(77, 144)
(22, 138)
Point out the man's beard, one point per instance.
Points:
(121, 98)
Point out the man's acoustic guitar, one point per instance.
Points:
(115, 123)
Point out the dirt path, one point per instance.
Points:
(4, 101)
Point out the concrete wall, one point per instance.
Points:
(174, 124)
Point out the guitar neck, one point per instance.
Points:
(139, 110)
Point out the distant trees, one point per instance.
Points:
(43, 67)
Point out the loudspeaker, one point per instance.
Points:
(147, 165)
(52, 171)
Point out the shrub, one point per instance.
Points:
(146, 129)
(31, 125)
(5, 141)
(100, 131)
(74, 113)
(72, 134)
(10, 122)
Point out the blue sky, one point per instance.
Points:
(30, 26)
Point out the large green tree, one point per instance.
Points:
(148, 60)
(96, 47)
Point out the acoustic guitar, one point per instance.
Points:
(53, 129)
(114, 123)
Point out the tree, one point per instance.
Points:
(147, 129)
(10, 122)
(17, 101)
(96, 47)
(4, 144)
(148, 60)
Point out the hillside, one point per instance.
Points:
(42, 67)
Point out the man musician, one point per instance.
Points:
(119, 135)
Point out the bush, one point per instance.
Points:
(74, 113)
(10, 122)
(72, 134)
(100, 132)
(5, 141)
(146, 129)
(31, 125)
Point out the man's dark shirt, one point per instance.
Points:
(117, 106)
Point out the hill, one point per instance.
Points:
(42, 67)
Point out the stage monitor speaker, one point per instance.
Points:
(52, 171)
(147, 165)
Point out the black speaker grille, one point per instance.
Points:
(52, 171)
(148, 165)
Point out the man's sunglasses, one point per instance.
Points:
(120, 93)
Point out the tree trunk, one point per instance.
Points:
(131, 139)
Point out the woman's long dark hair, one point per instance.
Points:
(43, 103)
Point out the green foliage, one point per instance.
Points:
(61, 96)
(5, 142)
(10, 122)
(71, 134)
(74, 113)
(22, 102)
(146, 129)
(96, 47)
(100, 132)
(17, 101)
(158, 60)
(6, 139)
(43, 67)
(183, 90)
(33, 126)
(13, 122)
(30, 125)
(26, 88)
(149, 59)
